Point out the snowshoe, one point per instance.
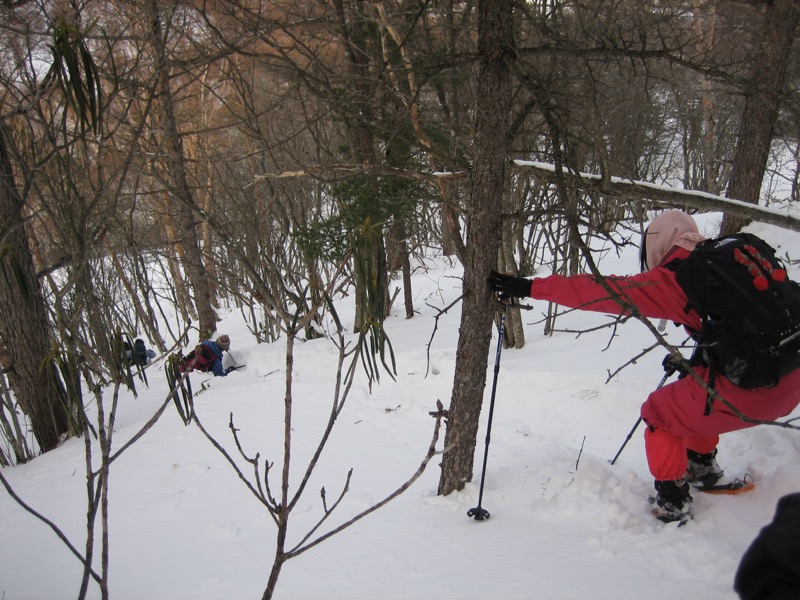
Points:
(732, 486)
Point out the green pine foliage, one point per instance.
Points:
(368, 203)
(77, 74)
(377, 198)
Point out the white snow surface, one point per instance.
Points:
(565, 523)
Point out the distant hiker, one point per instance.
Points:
(683, 420)
(139, 355)
(142, 355)
(207, 357)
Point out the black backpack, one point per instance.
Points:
(139, 352)
(750, 309)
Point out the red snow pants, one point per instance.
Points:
(676, 421)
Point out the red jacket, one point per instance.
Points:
(677, 413)
(655, 293)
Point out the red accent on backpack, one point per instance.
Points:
(199, 359)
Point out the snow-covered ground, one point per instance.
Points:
(564, 522)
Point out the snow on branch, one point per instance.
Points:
(661, 194)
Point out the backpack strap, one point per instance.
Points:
(673, 266)
(712, 380)
(699, 357)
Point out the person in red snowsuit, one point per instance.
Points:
(680, 438)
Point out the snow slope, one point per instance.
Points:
(564, 522)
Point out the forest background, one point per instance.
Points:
(265, 156)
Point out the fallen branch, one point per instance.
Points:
(658, 194)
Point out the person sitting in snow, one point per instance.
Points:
(681, 436)
(140, 355)
(207, 357)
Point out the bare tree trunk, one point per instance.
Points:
(144, 314)
(397, 250)
(11, 425)
(495, 48)
(24, 328)
(515, 332)
(208, 246)
(762, 99)
(175, 257)
(176, 167)
(207, 197)
(705, 26)
(142, 268)
(452, 244)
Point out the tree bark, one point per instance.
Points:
(515, 331)
(175, 256)
(762, 99)
(705, 24)
(24, 328)
(179, 186)
(496, 51)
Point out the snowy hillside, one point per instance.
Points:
(565, 524)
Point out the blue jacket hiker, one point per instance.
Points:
(207, 357)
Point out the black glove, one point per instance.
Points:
(672, 363)
(508, 286)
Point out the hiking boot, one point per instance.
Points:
(703, 469)
(673, 501)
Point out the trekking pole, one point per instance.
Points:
(627, 439)
(236, 366)
(479, 513)
(670, 368)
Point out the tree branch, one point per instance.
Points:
(659, 194)
(438, 415)
(50, 524)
